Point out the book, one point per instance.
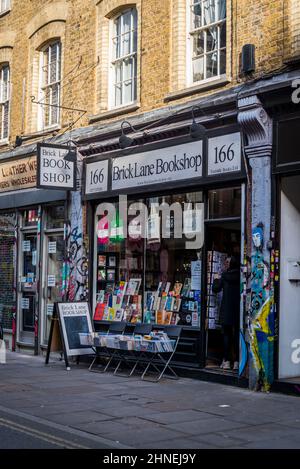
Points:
(177, 288)
(175, 319)
(186, 287)
(100, 296)
(111, 275)
(101, 274)
(177, 304)
(133, 286)
(109, 288)
(159, 317)
(99, 311)
(167, 317)
(112, 261)
(106, 313)
(170, 303)
(119, 315)
(101, 261)
(111, 314)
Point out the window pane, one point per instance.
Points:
(5, 120)
(127, 98)
(198, 69)
(198, 44)
(224, 203)
(212, 65)
(223, 35)
(118, 72)
(222, 62)
(126, 44)
(222, 9)
(212, 39)
(209, 11)
(118, 95)
(196, 14)
(55, 216)
(127, 69)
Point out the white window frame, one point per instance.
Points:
(4, 101)
(113, 60)
(4, 6)
(45, 88)
(191, 33)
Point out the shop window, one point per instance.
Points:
(224, 203)
(207, 39)
(124, 59)
(150, 274)
(4, 101)
(7, 268)
(55, 217)
(30, 217)
(50, 75)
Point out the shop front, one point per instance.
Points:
(287, 177)
(164, 219)
(32, 247)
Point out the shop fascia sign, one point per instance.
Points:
(53, 171)
(182, 162)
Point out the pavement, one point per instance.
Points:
(50, 407)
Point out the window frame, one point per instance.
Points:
(193, 32)
(5, 102)
(113, 60)
(43, 87)
(7, 6)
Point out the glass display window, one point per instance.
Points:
(147, 267)
(55, 217)
(30, 217)
(224, 203)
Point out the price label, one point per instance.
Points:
(224, 154)
(96, 177)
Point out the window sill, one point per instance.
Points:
(41, 133)
(4, 143)
(5, 12)
(114, 112)
(208, 85)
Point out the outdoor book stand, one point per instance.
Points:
(100, 351)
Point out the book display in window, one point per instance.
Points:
(215, 267)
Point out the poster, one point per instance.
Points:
(25, 303)
(75, 318)
(196, 275)
(52, 247)
(51, 280)
(34, 258)
(50, 308)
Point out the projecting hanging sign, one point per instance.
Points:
(224, 154)
(53, 171)
(169, 164)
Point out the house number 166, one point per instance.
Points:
(221, 155)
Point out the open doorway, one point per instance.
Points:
(223, 241)
(289, 313)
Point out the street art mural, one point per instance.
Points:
(261, 326)
(75, 269)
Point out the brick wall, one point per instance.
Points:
(269, 24)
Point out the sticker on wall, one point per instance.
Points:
(26, 246)
(50, 307)
(196, 275)
(52, 247)
(51, 281)
(34, 258)
(25, 303)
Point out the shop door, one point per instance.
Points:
(27, 287)
(53, 284)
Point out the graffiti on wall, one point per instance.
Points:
(75, 269)
(261, 326)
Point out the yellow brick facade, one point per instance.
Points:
(273, 26)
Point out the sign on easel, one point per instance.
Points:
(68, 321)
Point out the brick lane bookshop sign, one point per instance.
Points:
(53, 172)
(18, 174)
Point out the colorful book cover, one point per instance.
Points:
(111, 314)
(101, 261)
(111, 275)
(119, 315)
(159, 317)
(148, 317)
(106, 313)
(133, 286)
(109, 287)
(99, 311)
(177, 288)
(170, 303)
(177, 304)
(186, 287)
(167, 317)
(162, 304)
(112, 261)
(101, 274)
